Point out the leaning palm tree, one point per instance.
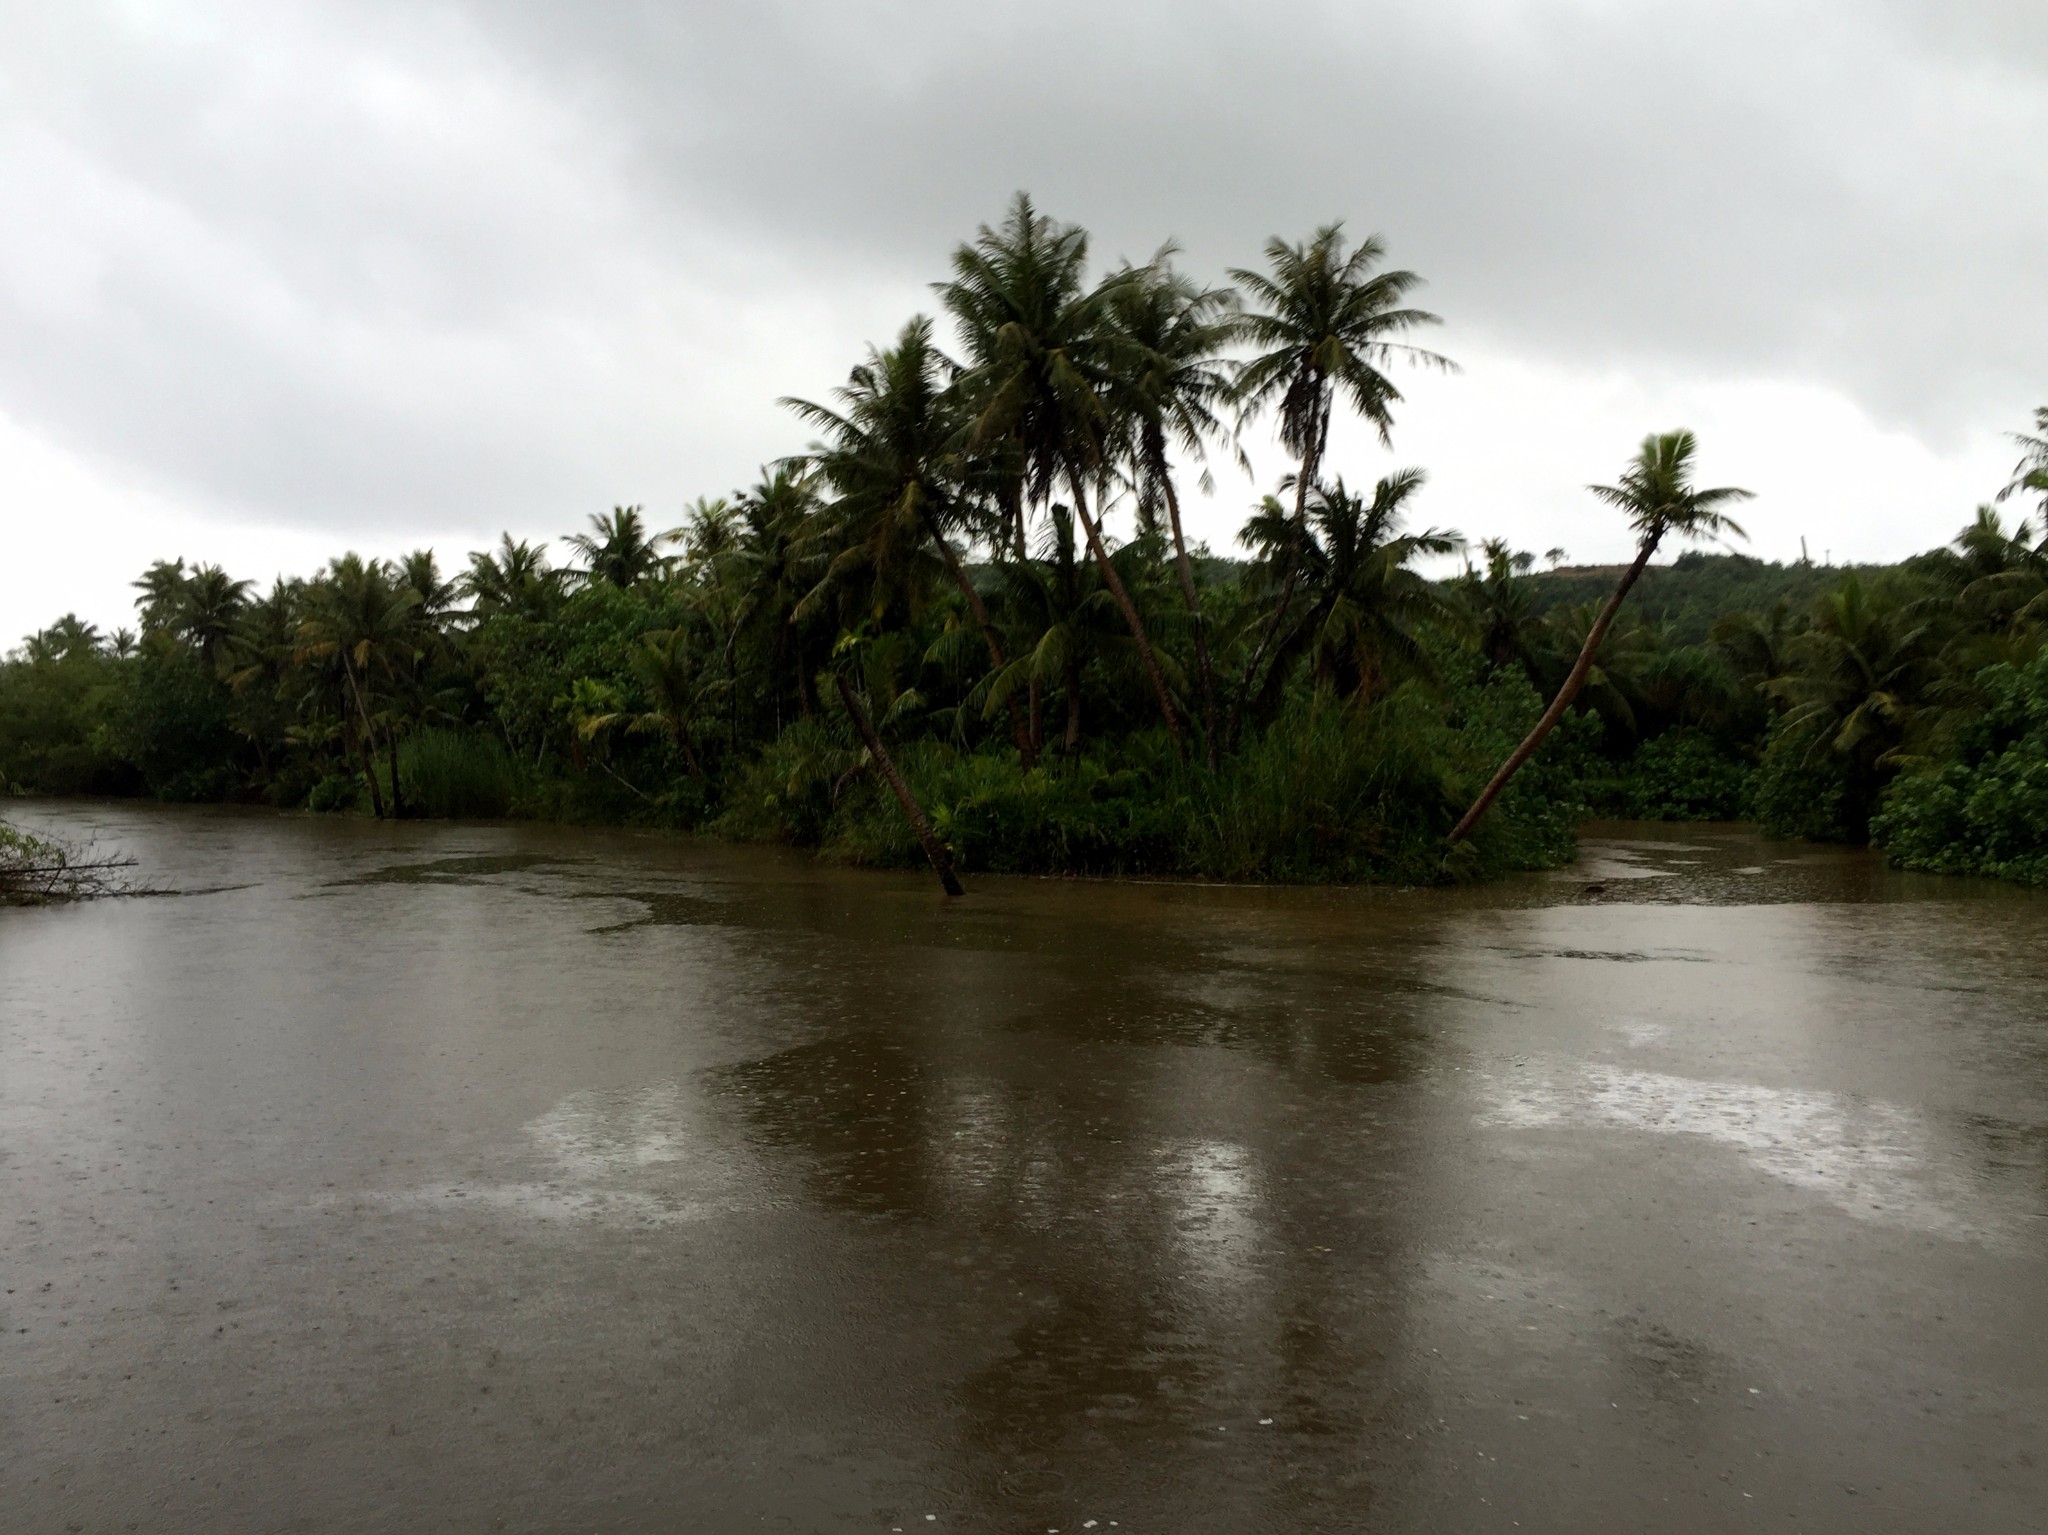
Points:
(1044, 360)
(1657, 494)
(845, 657)
(1326, 323)
(1173, 384)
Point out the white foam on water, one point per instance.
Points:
(1874, 1160)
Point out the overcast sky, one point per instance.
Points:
(279, 279)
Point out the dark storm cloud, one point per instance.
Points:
(365, 264)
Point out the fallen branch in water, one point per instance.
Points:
(37, 871)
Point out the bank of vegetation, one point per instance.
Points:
(918, 635)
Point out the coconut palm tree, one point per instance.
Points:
(1998, 578)
(1366, 604)
(208, 605)
(163, 589)
(265, 642)
(1174, 382)
(1065, 618)
(516, 579)
(68, 637)
(1500, 607)
(1044, 360)
(892, 453)
(1858, 675)
(676, 681)
(2030, 474)
(360, 615)
(1326, 323)
(1657, 495)
(619, 549)
(773, 559)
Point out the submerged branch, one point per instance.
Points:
(39, 871)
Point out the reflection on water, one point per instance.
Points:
(1871, 1159)
(450, 1176)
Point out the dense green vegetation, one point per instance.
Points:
(922, 617)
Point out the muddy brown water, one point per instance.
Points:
(475, 1178)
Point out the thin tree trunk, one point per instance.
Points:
(391, 755)
(684, 744)
(1210, 745)
(367, 741)
(1137, 625)
(1073, 741)
(1310, 463)
(1037, 716)
(934, 849)
(1565, 694)
(1027, 748)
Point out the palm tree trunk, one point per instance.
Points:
(391, 754)
(1027, 746)
(1210, 745)
(1311, 461)
(1565, 694)
(1072, 745)
(934, 849)
(366, 742)
(684, 745)
(1136, 624)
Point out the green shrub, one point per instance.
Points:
(1682, 775)
(178, 729)
(337, 791)
(1985, 811)
(58, 718)
(457, 775)
(1803, 789)
(1327, 794)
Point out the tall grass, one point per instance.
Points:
(458, 775)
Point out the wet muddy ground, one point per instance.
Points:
(473, 1178)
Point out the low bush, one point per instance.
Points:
(1984, 811)
(1681, 775)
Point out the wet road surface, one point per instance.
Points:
(477, 1178)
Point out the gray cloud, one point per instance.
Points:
(505, 262)
(1828, 189)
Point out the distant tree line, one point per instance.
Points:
(917, 637)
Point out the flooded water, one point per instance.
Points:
(477, 1178)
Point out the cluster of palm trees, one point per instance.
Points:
(938, 562)
(1068, 393)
